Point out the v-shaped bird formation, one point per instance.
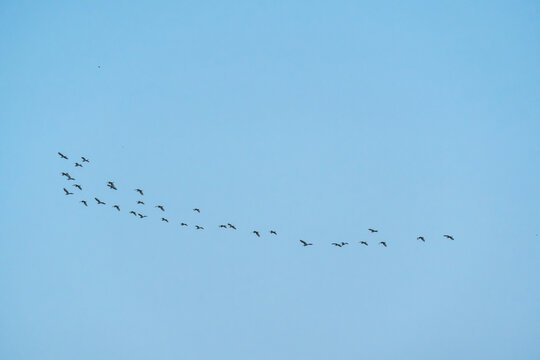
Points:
(256, 233)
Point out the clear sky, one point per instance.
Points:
(319, 119)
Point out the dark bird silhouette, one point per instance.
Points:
(373, 230)
(383, 243)
(273, 232)
(197, 210)
(336, 244)
(421, 238)
(140, 202)
(84, 202)
(70, 178)
(139, 191)
(99, 201)
(231, 226)
(160, 207)
(305, 243)
(199, 227)
(163, 219)
(449, 237)
(116, 207)
(344, 243)
(364, 243)
(67, 192)
(183, 224)
(62, 156)
(84, 159)
(78, 186)
(133, 212)
(223, 226)
(142, 216)
(111, 185)
(256, 233)
(65, 174)
(78, 165)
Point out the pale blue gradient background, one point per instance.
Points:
(318, 119)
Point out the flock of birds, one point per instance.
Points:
(112, 186)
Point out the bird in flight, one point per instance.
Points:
(140, 202)
(449, 237)
(139, 191)
(116, 207)
(142, 216)
(336, 244)
(197, 210)
(273, 232)
(383, 243)
(111, 185)
(78, 186)
(84, 159)
(67, 192)
(305, 243)
(183, 224)
(256, 233)
(133, 212)
(231, 226)
(70, 178)
(65, 174)
(99, 201)
(78, 165)
(84, 202)
(163, 219)
(421, 238)
(160, 207)
(62, 156)
(364, 243)
(344, 243)
(199, 227)
(373, 230)
(223, 226)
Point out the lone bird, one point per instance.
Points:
(421, 238)
(256, 233)
(199, 227)
(183, 224)
(197, 210)
(336, 244)
(99, 201)
(111, 185)
(231, 226)
(449, 237)
(364, 243)
(373, 230)
(383, 243)
(139, 191)
(160, 207)
(78, 165)
(78, 186)
(84, 202)
(273, 232)
(163, 219)
(305, 243)
(62, 156)
(133, 212)
(142, 216)
(223, 226)
(140, 202)
(84, 159)
(67, 192)
(116, 207)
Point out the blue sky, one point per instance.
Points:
(316, 119)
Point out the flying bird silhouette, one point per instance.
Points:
(421, 238)
(373, 230)
(62, 156)
(449, 237)
(139, 191)
(84, 202)
(256, 233)
(305, 243)
(199, 227)
(364, 243)
(383, 243)
(111, 185)
(99, 201)
(231, 226)
(140, 202)
(142, 216)
(65, 174)
(70, 178)
(344, 243)
(183, 224)
(116, 207)
(160, 207)
(78, 165)
(336, 244)
(197, 210)
(133, 212)
(273, 232)
(84, 159)
(67, 192)
(163, 219)
(223, 226)
(78, 186)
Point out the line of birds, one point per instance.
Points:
(112, 186)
